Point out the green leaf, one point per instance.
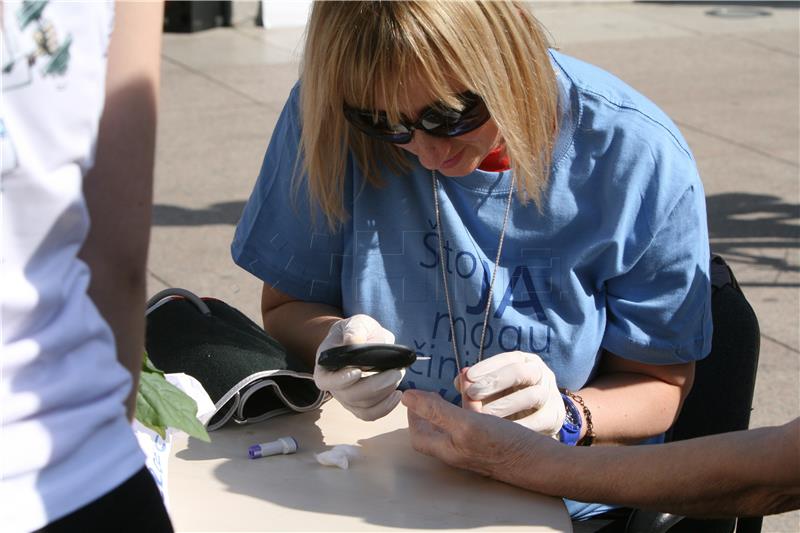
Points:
(148, 366)
(160, 404)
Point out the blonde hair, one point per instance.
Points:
(359, 53)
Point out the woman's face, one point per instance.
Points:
(450, 156)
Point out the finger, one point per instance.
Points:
(467, 402)
(488, 366)
(457, 382)
(370, 390)
(380, 334)
(412, 399)
(421, 403)
(514, 375)
(379, 410)
(360, 329)
(334, 336)
(431, 407)
(460, 378)
(356, 329)
(340, 379)
(522, 400)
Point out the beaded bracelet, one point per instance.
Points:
(588, 438)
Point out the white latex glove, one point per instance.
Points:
(518, 386)
(370, 397)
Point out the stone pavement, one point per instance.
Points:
(727, 75)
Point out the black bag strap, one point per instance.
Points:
(176, 291)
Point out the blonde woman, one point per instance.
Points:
(441, 179)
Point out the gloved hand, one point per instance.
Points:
(371, 397)
(518, 386)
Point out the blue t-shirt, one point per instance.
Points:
(616, 259)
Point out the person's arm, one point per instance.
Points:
(118, 189)
(746, 473)
(299, 326)
(630, 401)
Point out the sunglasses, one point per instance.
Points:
(437, 120)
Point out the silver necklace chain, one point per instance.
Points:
(454, 342)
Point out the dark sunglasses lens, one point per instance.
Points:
(446, 122)
(473, 116)
(440, 121)
(377, 126)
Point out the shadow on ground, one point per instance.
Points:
(746, 227)
(215, 214)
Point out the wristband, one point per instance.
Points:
(570, 431)
(589, 437)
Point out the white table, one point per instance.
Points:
(216, 487)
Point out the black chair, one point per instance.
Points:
(720, 400)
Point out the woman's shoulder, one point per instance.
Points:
(609, 110)
(623, 148)
(292, 105)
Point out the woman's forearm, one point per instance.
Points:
(627, 408)
(746, 473)
(631, 401)
(300, 326)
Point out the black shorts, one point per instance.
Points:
(133, 507)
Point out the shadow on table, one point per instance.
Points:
(377, 494)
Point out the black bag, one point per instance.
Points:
(249, 376)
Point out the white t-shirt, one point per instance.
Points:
(64, 437)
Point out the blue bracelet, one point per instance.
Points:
(571, 429)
